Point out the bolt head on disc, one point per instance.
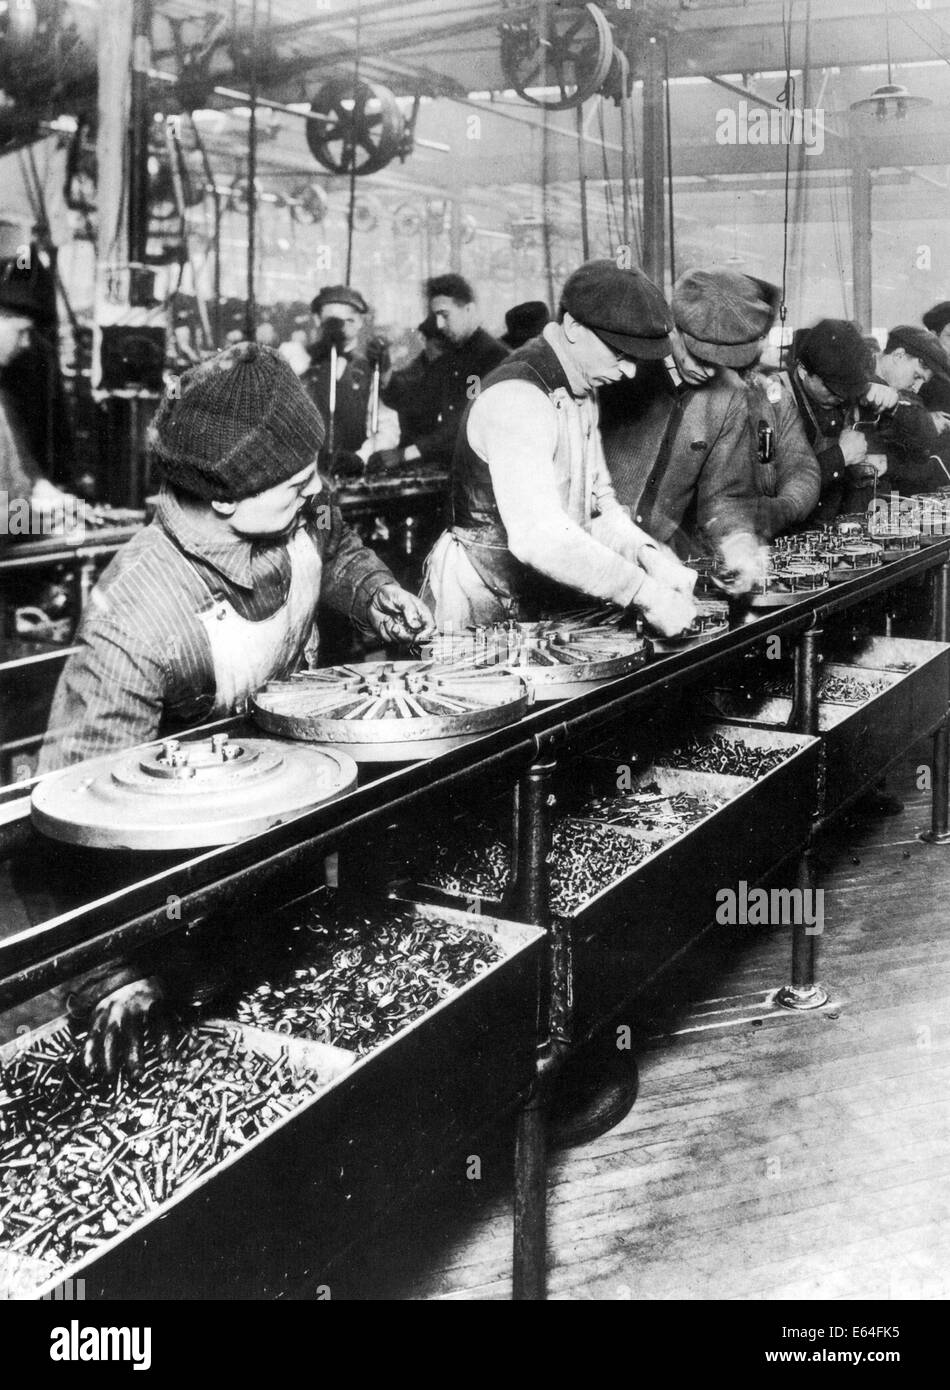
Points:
(187, 795)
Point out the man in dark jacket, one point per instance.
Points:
(342, 313)
(834, 370)
(456, 378)
(910, 433)
(678, 450)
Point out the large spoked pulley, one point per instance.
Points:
(182, 795)
(362, 128)
(390, 711)
(568, 48)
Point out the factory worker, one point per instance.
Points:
(219, 593)
(341, 313)
(677, 440)
(534, 518)
(834, 371)
(23, 307)
(468, 355)
(910, 432)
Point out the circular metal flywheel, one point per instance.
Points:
(182, 795)
(569, 48)
(390, 711)
(557, 658)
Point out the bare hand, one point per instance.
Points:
(880, 396)
(121, 1023)
(744, 562)
(399, 616)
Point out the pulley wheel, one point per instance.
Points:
(396, 711)
(182, 795)
(569, 49)
(363, 128)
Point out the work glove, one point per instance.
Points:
(384, 459)
(377, 353)
(121, 1024)
(662, 565)
(666, 610)
(398, 616)
(744, 562)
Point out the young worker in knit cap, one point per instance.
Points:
(678, 442)
(215, 597)
(342, 315)
(534, 517)
(219, 593)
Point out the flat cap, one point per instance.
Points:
(937, 318)
(836, 351)
(922, 344)
(622, 307)
(723, 315)
(339, 294)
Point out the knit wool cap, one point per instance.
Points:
(722, 315)
(339, 294)
(236, 425)
(835, 350)
(622, 307)
(937, 318)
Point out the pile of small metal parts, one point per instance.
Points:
(584, 860)
(664, 815)
(79, 1162)
(832, 689)
(729, 757)
(354, 983)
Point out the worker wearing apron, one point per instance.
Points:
(215, 597)
(535, 519)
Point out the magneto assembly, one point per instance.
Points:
(187, 795)
(390, 711)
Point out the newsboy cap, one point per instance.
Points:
(723, 315)
(339, 294)
(922, 344)
(835, 350)
(622, 307)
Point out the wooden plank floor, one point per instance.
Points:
(770, 1155)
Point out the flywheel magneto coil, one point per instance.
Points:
(187, 795)
(557, 658)
(395, 711)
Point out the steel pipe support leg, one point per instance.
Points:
(939, 832)
(803, 992)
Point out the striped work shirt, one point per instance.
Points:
(145, 666)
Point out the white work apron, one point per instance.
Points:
(246, 654)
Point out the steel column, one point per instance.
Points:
(861, 235)
(939, 832)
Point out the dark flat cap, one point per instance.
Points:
(723, 315)
(524, 322)
(836, 351)
(339, 294)
(937, 318)
(922, 344)
(622, 307)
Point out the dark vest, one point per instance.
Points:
(352, 399)
(474, 513)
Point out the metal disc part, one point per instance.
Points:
(557, 659)
(181, 795)
(390, 711)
